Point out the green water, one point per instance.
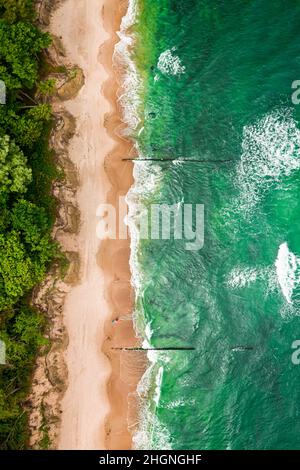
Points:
(222, 92)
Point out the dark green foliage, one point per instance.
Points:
(27, 208)
(25, 125)
(44, 172)
(22, 334)
(14, 173)
(19, 45)
(17, 271)
(14, 10)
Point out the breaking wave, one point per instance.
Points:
(270, 152)
(146, 179)
(288, 271)
(169, 63)
(131, 83)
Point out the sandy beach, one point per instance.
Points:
(94, 409)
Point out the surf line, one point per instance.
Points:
(154, 349)
(184, 160)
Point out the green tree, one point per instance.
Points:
(14, 10)
(27, 124)
(20, 44)
(28, 128)
(14, 173)
(47, 87)
(26, 208)
(31, 222)
(18, 274)
(27, 328)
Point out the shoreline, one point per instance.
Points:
(95, 377)
(114, 256)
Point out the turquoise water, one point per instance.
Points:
(216, 85)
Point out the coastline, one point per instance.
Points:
(93, 413)
(114, 258)
(201, 398)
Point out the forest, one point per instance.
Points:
(27, 208)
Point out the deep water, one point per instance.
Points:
(217, 79)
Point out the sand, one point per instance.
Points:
(94, 409)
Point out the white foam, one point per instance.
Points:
(270, 153)
(158, 381)
(145, 438)
(146, 179)
(131, 84)
(169, 63)
(150, 433)
(288, 271)
(175, 404)
(242, 277)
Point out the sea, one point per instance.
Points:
(210, 101)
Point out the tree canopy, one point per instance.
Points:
(14, 173)
(27, 209)
(15, 10)
(20, 44)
